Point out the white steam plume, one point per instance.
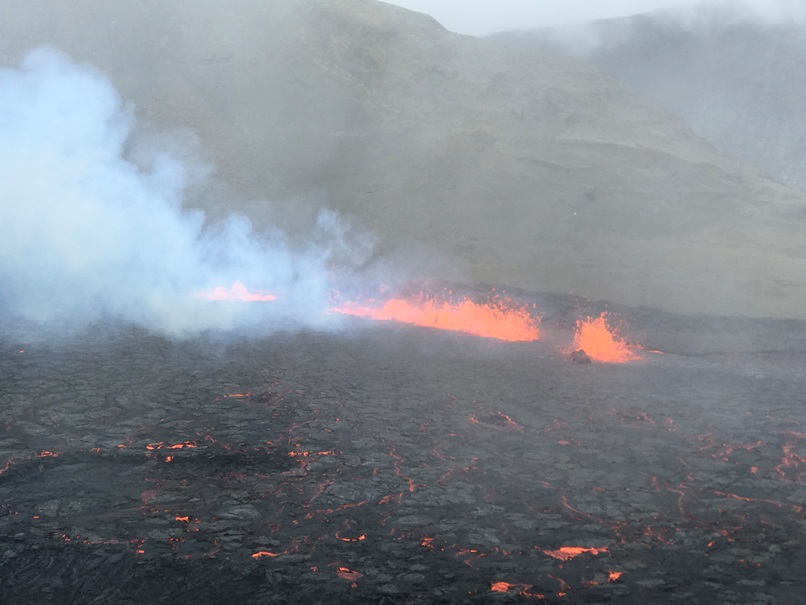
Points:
(87, 234)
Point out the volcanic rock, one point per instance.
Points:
(466, 158)
(579, 356)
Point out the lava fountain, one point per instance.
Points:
(601, 341)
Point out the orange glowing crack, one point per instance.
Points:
(348, 574)
(502, 320)
(174, 446)
(566, 553)
(237, 292)
(521, 589)
(601, 341)
(360, 538)
(265, 553)
(789, 460)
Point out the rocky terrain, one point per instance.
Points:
(371, 462)
(391, 464)
(466, 159)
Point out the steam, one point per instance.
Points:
(607, 26)
(93, 226)
(770, 12)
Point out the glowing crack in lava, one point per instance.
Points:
(566, 553)
(520, 589)
(601, 342)
(500, 319)
(237, 292)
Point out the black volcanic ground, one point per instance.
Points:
(392, 464)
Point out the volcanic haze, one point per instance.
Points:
(733, 75)
(487, 163)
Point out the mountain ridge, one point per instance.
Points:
(486, 163)
(730, 75)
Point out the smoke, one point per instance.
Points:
(93, 226)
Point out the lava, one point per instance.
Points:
(174, 446)
(501, 319)
(566, 553)
(601, 341)
(345, 573)
(266, 553)
(237, 292)
(521, 589)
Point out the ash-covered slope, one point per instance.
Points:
(735, 78)
(507, 165)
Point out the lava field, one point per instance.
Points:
(397, 464)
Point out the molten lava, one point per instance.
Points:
(520, 589)
(500, 319)
(566, 553)
(601, 342)
(237, 292)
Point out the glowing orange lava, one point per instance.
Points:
(237, 292)
(174, 446)
(521, 589)
(265, 553)
(601, 342)
(566, 553)
(503, 320)
(345, 573)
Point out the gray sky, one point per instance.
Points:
(482, 17)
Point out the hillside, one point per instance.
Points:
(468, 159)
(734, 78)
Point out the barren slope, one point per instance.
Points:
(736, 79)
(518, 168)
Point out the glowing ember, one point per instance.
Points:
(238, 292)
(601, 342)
(499, 319)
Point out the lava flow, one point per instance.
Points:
(601, 342)
(500, 319)
(566, 553)
(237, 292)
